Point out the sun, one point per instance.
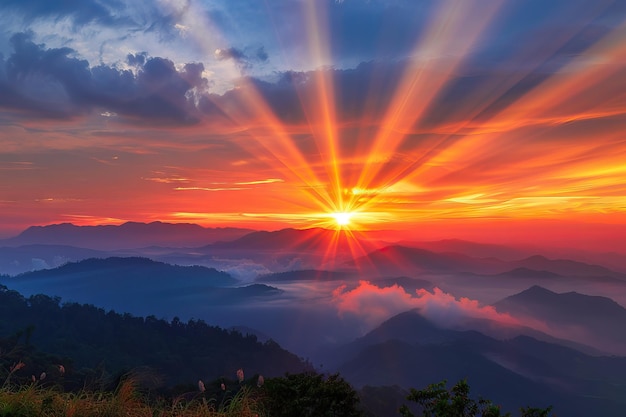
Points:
(342, 218)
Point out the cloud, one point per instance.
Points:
(137, 59)
(230, 53)
(245, 59)
(51, 82)
(374, 305)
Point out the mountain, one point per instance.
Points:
(410, 351)
(139, 285)
(473, 249)
(125, 236)
(579, 317)
(20, 259)
(304, 275)
(566, 267)
(523, 272)
(314, 240)
(396, 259)
(94, 345)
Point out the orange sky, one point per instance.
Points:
(452, 138)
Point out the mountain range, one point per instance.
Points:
(580, 317)
(294, 286)
(125, 236)
(138, 285)
(410, 351)
(397, 259)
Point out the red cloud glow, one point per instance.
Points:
(374, 305)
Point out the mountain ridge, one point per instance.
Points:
(127, 235)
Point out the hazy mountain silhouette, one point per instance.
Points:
(581, 317)
(316, 240)
(305, 275)
(613, 260)
(410, 351)
(401, 260)
(16, 260)
(473, 249)
(125, 236)
(405, 260)
(523, 272)
(138, 285)
(566, 267)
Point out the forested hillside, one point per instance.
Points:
(93, 344)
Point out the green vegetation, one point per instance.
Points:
(34, 400)
(305, 394)
(96, 346)
(311, 395)
(105, 364)
(437, 401)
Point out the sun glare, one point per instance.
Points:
(342, 218)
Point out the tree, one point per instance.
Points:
(437, 401)
(310, 394)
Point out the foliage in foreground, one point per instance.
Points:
(91, 342)
(127, 401)
(437, 401)
(311, 395)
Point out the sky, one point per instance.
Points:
(480, 119)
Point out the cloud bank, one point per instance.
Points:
(374, 305)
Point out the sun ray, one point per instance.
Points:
(399, 145)
(425, 76)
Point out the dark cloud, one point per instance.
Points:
(52, 82)
(244, 59)
(137, 59)
(230, 53)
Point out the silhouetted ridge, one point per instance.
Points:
(93, 342)
(566, 267)
(280, 239)
(569, 303)
(135, 267)
(523, 272)
(303, 275)
(409, 350)
(125, 236)
(583, 317)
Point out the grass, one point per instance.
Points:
(36, 401)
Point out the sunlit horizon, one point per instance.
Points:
(453, 134)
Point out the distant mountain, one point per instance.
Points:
(580, 317)
(402, 260)
(314, 240)
(305, 275)
(473, 249)
(410, 351)
(138, 285)
(125, 236)
(566, 267)
(398, 259)
(16, 260)
(523, 272)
